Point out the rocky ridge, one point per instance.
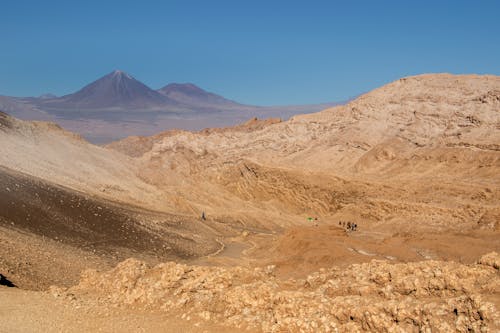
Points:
(377, 296)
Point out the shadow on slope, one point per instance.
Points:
(77, 222)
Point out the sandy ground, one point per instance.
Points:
(301, 250)
(24, 311)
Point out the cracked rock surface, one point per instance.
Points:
(378, 296)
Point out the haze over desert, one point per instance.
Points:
(130, 209)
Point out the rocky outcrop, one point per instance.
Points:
(378, 296)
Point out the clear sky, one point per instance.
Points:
(255, 52)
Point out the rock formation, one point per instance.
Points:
(377, 296)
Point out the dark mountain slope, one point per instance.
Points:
(190, 94)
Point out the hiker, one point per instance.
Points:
(348, 225)
(203, 216)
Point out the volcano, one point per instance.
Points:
(115, 90)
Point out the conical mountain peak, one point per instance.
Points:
(120, 74)
(115, 90)
(119, 90)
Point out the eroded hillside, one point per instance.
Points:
(423, 148)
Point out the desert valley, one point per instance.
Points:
(381, 214)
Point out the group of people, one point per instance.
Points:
(349, 226)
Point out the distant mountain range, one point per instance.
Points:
(117, 105)
(117, 90)
(120, 91)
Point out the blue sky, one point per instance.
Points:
(255, 52)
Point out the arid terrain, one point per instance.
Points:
(111, 237)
